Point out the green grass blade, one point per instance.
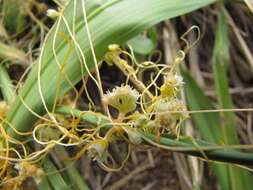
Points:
(6, 86)
(238, 178)
(220, 65)
(207, 123)
(44, 184)
(72, 172)
(54, 177)
(8, 92)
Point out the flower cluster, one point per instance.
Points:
(169, 109)
(158, 113)
(164, 113)
(122, 98)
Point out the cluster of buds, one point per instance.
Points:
(169, 110)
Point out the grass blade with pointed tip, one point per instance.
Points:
(220, 65)
(207, 124)
(238, 178)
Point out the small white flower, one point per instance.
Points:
(52, 13)
(123, 98)
(173, 80)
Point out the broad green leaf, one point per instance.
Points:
(116, 21)
(141, 44)
(153, 35)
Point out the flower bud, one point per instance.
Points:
(97, 150)
(133, 136)
(52, 13)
